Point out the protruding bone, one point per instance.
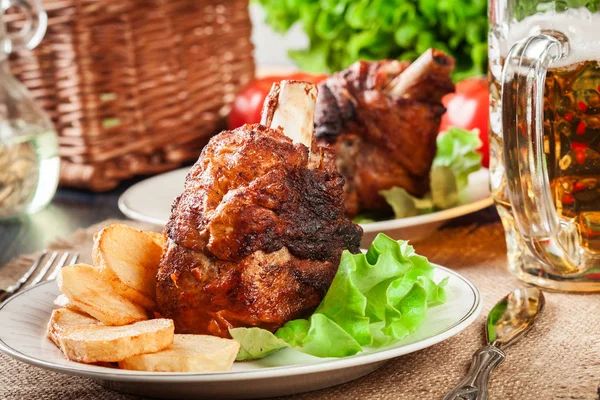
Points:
(291, 106)
(427, 78)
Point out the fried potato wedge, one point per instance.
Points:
(88, 289)
(129, 258)
(92, 344)
(63, 301)
(64, 319)
(159, 238)
(188, 353)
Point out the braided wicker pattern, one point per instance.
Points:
(135, 86)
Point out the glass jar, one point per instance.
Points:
(29, 162)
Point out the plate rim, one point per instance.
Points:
(267, 373)
(369, 227)
(137, 216)
(437, 216)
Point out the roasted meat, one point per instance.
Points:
(381, 119)
(256, 236)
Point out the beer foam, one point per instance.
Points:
(579, 25)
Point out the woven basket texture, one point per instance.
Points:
(135, 87)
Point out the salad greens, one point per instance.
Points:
(256, 343)
(525, 8)
(456, 150)
(375, 298)
(343, 31)
(455, 159)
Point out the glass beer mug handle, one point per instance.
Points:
(33, 30)
(526, 170)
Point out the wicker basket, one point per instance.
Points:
(135, 86)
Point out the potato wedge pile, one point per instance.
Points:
(104, 311)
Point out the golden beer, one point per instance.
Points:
(552, 224)
(572, 146)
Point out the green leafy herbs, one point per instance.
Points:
(375, 299)
(455, 159)
(364, 219)
(343, 31)
(525, 8)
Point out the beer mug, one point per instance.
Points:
(544, 75)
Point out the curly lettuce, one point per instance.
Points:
(375, 299)
(455, 159)
(456, 150)
(343, 31)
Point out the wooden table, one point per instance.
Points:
(74, 209)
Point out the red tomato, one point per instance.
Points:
(468, 108)
(248, 103)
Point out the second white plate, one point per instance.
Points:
(150, 201)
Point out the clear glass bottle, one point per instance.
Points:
(29, 162)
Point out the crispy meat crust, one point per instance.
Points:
(382, 140)
(256, 237)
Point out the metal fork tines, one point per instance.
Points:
(49, 270)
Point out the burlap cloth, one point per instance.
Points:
(558, 359)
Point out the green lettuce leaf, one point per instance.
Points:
(256, 343)
(445, 191)
(456, 150)
(406, 205)
(375, 299)
(342, 31)
(455, 159)
(294, 332)
(325, 338)
(364, 219)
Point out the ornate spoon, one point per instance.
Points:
(508, 321)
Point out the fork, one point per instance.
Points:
(46, 271)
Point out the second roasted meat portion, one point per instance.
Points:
(256, 237)
(381, 120)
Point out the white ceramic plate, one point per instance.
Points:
(23, 319)
(150, 201)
